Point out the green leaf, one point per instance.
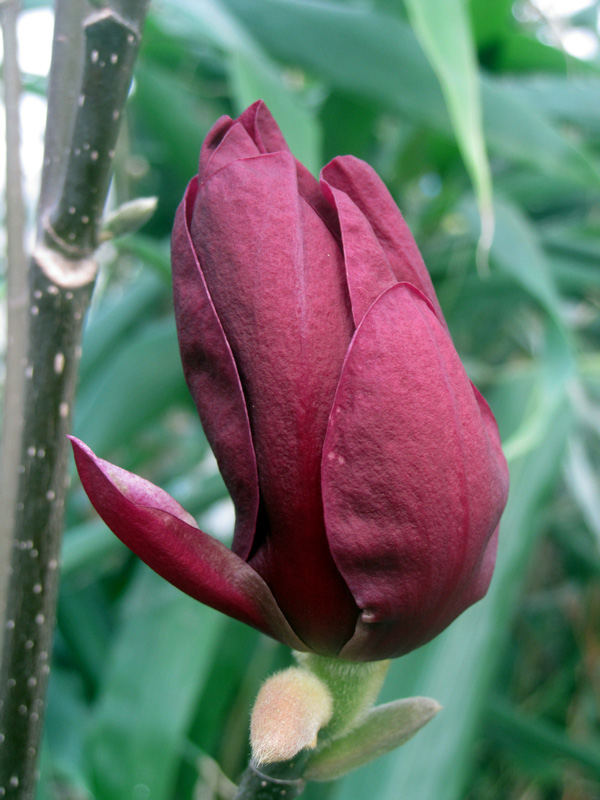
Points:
(518, 252)
(158, 666)
(85, 626)
(170, 112)
(377, 56)
(583, 481)
(557, 368)
(252, 79)
(442, 27)
(140, 380)
(116, 317)
(88, 547)
(538, 741)
(521, 53)
(517, 131)
(384, 728)
(68, 715)
(42, 791)
(562, 98)
(362, 52)
(489, 21)
(252, 73)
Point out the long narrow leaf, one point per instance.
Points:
(442, 27)
(160, 661)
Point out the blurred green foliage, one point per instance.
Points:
(151, 691)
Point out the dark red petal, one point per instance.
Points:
(212, 141)
(413, 479)
(234, 144)
(262, 128)
(309, 189)
(368, 270)
(375, 641)
(167, 538)
(213, 380)
(366, 189)
(276, 278)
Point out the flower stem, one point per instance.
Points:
(354, 687)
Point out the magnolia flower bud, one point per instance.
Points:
(365, 468)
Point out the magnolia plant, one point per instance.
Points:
(365, 468)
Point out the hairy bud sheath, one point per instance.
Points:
(291, 708)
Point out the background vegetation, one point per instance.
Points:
(150, 692)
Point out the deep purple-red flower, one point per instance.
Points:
(365, 468)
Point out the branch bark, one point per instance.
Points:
(16, 279)
(93, 57)
(278, 781)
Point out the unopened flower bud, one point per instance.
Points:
(365, 468)
(128, 218)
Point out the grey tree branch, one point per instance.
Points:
(93, 57)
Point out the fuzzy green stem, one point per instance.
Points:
(354, 687)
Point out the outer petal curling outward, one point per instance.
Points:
(368, 192)
(413, 488)
(212, 377)
(168, 540)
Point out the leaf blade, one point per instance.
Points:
(442, 27)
